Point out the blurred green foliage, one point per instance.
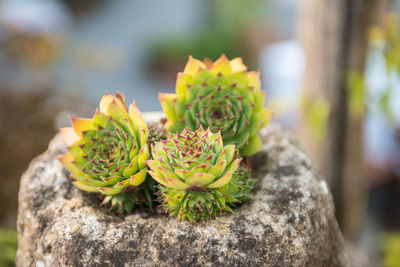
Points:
(357, 92)
(200, 44)
(389, 33)
(8, 247)
(223, 33)
(384, 105)
(234, 15)
(316, 114)
(385, 39)
(391, 249)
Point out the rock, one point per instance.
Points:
(290, 221)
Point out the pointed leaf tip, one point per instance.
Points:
(136, 117)
(193, 65)
(81, 125)
(237, 65)
(222, 65)
(120, 96)
(69, 135)
(107, 100)
(208, 62)
(66, 158)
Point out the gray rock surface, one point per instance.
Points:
(290, 221)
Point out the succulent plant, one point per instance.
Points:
(240, 186)
(221, 96)
(107, 153)
(156, 132)
(194, 170)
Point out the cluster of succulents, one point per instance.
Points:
(212, 122)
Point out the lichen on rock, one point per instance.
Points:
(289, 222)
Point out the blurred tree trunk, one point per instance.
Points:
(334, 35)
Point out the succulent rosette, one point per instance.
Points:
(194, 170)
(107, 153)
(221, 96)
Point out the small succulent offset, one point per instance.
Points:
(221, 96)
(240, 186)
(107, 153)
(194, 170)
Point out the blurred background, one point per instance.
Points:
(331, 70)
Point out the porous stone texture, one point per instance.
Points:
(290, 221)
